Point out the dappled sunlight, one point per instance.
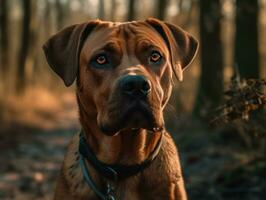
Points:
(42, 108)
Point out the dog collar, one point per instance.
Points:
(111, 172)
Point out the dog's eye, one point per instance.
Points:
(155, 57)
(101, 59)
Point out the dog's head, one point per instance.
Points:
(123, 70)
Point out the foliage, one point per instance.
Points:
(244, 109)
(242, 98)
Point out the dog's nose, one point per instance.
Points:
(135, 85)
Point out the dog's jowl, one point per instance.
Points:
(124, 74)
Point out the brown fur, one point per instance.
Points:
(100, 104)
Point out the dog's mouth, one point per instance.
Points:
(138, 115)
(112, 130)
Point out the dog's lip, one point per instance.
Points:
(114, 131)
(153, 129)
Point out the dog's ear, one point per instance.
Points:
(62, 50)
(182, 46)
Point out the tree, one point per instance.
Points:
(4, 41)
(131, 10)
(101, 11)
(211, 80)
(113, 10)
(161, 9)
(24, 45)
(62, 11)
(246, 38)
(47, 17)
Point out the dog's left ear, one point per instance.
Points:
(182, 46)
(62, 50)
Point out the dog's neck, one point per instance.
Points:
(126, 147)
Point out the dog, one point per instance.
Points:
(124, 76)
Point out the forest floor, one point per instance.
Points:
(216, 163)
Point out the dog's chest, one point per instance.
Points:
(128, 190)
(124, 190)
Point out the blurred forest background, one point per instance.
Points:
(216, 115)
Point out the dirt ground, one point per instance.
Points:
(30, 162)
(214, 167)
(217, 164)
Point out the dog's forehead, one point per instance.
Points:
(118, 32)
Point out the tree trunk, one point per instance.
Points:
(211, 80)
(246, 38)
(32, 59)
(113, 10)
(131, 10)
(47, 18)
(4, 42)
(161, 9)
(101, 11)
(62, 11)
(24, 45)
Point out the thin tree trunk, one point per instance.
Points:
(113, 10)
(4, 40)
(47, 18)
(59, 14)
(31, 61)
(211, 80)
(101, 11)
(62, 11)
(131, 10)
(246, 38)
(161, 9)
(24, 45)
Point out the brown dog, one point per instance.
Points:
(124, 80)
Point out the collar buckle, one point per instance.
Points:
(110, 191)
(111, 185)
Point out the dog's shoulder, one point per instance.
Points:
(166, 172)
(167, 161)
(72, 173)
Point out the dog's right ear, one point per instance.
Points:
(62, 50)
(182, 46)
